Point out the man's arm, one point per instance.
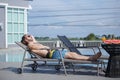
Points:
(33, 46)
(33, 39)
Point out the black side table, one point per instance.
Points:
(113, 67)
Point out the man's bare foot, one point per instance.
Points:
(96, 56)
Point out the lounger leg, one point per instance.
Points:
(64, 67)
(20, 70)
(102, 63)
(63, 64)
(97, 69)
(73, 67)
(103, 66)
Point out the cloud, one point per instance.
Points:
(74, 7)
(55, 27)
(48, 4)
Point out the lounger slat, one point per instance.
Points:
(40, 59)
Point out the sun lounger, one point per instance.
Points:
(35, 58)
(72, 48)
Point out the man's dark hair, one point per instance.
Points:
(23, 40)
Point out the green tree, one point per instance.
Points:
(91, 36)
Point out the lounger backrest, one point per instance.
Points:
(22, 45)
(68, 44)
(27, 49)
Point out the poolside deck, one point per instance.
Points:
(8, 71)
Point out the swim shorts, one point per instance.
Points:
(56, 54)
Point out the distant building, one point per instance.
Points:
(13, 21)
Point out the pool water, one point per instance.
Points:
(14, 54)
(11, 57)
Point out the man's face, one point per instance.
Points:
(28, 37)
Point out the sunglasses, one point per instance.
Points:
(28, 35)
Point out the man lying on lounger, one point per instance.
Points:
(44, 51)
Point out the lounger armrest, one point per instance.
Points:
(86, 47)
(90, 47)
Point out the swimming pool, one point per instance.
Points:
(11, 55)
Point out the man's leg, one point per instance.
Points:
(75, 56)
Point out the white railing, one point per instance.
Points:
(76, 43)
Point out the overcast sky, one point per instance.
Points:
(74, 18)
